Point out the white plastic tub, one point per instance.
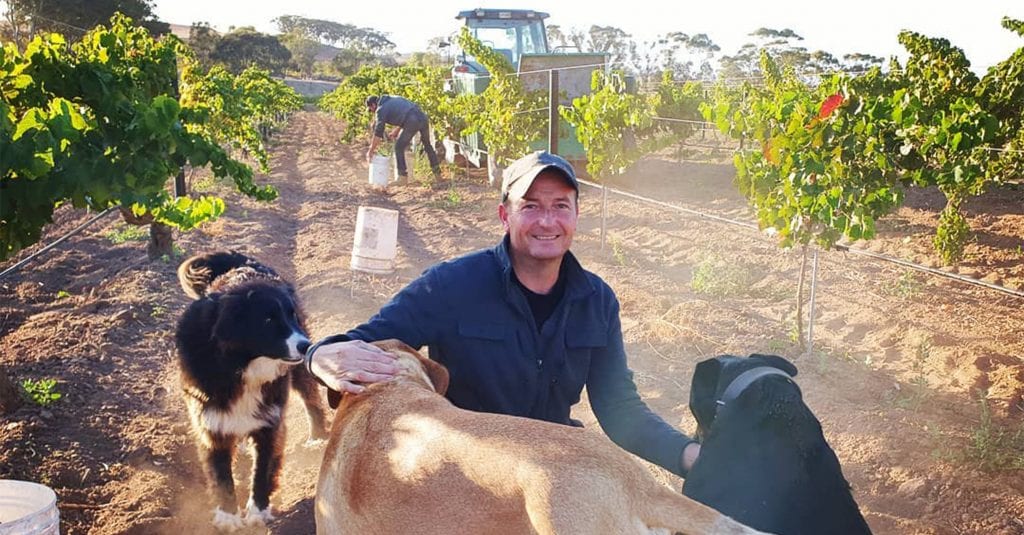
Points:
(376, 240)
(379, 171)
(28, 509)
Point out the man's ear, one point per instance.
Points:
(702, 391)
(777, 362)
(503, 215)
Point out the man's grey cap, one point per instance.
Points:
(519, 175)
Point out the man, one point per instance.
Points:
(522, 327)
(408, 120)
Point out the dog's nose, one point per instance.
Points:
(303, 347)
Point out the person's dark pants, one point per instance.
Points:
(415, 124)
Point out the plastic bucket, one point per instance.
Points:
(379, 171)
(451, 150)
(376, 240)
(27, 509)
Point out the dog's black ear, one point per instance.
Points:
(226, 327)
(777, 362)
(702, 391)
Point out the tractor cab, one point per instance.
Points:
(520, 35)
(510, 32)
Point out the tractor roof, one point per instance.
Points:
(502, 14)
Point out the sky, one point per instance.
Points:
(868, 26)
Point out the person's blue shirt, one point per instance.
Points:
(475, 321)
(394, 111)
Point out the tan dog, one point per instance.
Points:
(402, 459)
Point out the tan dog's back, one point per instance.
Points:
(402, 459)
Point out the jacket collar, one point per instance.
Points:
(577, 284)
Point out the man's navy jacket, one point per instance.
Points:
(395, 111)
(475, 321)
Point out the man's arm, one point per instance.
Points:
(624, 417)
(376, 136)
(344, 361)
(374, 143)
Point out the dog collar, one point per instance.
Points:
(744, 380)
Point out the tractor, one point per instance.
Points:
(521, 37)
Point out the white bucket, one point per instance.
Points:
(379, 171)
(27, 509)
(451, 150)
(376, 240)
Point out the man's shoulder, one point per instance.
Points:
(600, 287)
(474, 266)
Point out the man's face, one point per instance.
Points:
(541, 223)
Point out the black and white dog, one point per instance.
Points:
(763, 459)
(238, 345)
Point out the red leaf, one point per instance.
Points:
(830, 105)
(766, 150)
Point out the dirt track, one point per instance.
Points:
(894, 381)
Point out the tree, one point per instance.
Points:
(426, 59)
(337, 34)
(857, 61)
(704, 48)
(350, 60)
(246, 47)
(94, 125)
(781, 46)
(18, 27)
(556, 38)
(646, 59)
(742, 65)
(203, 40)
(359, 46)
(610, 40)
(74, 17)
(303, 50)
(672, 57)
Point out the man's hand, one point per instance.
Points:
(393, 135)
(690, 454)
(343, 365)
(369, 156)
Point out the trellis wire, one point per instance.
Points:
(841, 247)
(814, 277)
(56, 242)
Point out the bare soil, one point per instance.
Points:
(900, 366)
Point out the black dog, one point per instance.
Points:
(764, 460)
(238, 346)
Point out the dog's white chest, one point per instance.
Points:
(247, 413)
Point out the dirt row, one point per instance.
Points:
(901, 365)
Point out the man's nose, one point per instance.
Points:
(548, 215)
